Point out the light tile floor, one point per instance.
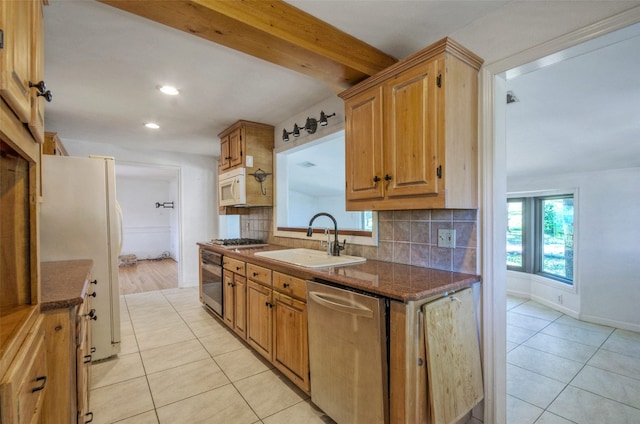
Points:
(561, 370)
(178, 365)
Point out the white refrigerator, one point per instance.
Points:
(80, 219)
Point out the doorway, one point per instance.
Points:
(493, 179)
(149, 198)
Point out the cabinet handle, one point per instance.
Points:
(92, 315)
(255, 274)
(40, 86)
(238, 268)
(286, 285)
(87, 359)
(92, 294)
(95, 282)
(43, 379)
(48, 96)
(376, 179)
(269, 304)
(90, 419)
(93, 350)
(387, 177)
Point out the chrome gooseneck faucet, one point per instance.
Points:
(336, 248)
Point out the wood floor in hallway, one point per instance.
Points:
(148, 275)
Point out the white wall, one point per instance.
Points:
(148, 231)
(608, 245)
(197, 203)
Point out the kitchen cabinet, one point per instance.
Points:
(277, 322)
(290, 339)
(234, 295)
(67, 312)
(24, 384)
(451, 337)
(53, 146)
(246, 139)
(249, 145)
(23, 371)
(411, 133)
(22, 60)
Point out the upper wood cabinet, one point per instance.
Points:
(22, 61)
(411, 133)
(246, 139)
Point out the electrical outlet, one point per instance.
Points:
(447, 238)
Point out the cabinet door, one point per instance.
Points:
(235, 148)
(363, 151)
(36, 115)
(453, 357)
(16, 21)
(259, 307)
(411, 143)
(290, 340)
(240, 305)
(24, 384)
(228, 298)
(223, 165)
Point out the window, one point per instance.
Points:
(540, 236)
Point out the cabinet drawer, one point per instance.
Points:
(233, 265)
(290, 285)
(22, 389)
(259, 274)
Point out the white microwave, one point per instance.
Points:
(232, 188)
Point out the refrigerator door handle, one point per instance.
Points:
(120, 227)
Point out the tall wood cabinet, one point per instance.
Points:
(411, 133)
(23, 369)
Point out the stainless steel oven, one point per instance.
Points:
(211, 280)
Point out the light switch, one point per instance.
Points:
(446, 238)
(249, 161)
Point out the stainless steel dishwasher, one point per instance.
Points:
(348, 354)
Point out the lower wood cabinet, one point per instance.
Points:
(25, 383)
(277, 322)
(235, 295)
(68, 344)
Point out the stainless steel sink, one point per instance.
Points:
(310, 258)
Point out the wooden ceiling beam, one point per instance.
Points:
(271, 30)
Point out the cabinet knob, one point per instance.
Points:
(387, 177)
(376, 179)
(48, 96)
(95, 282)
(255, 274)
(238, 268)
(286, 285)
(43, 380)
(92, 315)
(40, 86)
(87, 359)
(92, 294)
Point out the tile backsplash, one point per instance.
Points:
(406, 237)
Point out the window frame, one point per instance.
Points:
(533, 234)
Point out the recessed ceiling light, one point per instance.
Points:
(152, 125)
(169, 90)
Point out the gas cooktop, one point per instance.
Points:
(236, 243)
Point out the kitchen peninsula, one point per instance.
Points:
(410, 292)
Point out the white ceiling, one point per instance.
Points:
(103, 66)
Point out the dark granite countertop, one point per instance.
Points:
(64, 283)
(395, 281)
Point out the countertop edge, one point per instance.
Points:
(64, 284)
